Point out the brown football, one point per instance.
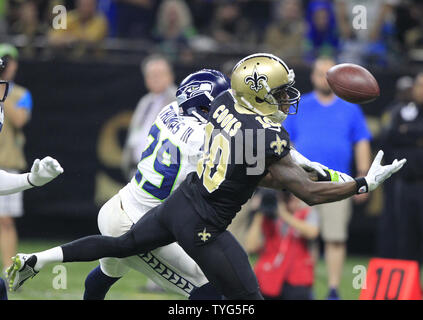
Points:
(353, 83)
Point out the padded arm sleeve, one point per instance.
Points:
(11, 182)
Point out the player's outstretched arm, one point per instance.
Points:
(42, 172)
(286, 174)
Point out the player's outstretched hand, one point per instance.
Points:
(378, 174)
(306, 164)
(43, 171)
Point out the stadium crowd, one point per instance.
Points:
(389, 33)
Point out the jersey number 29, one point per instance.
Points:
(166, 165)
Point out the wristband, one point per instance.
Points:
(29, 181)
(362, 186)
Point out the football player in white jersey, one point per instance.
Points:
(42, 171)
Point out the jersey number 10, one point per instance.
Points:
(209, 164)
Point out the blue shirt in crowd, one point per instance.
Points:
(327, 133)
(25, 99)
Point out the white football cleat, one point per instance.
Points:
(21, 270)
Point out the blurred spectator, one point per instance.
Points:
(230, 27)
(135, 18)
(3, 18)
(159, 80)
(414, 36)
(28, 21)
(339, 131)
(174, 29)
(403, 133)
(372, 44)
(109, 9)
(86, 28)
(387, 247)
(406, 17)
(322, 36)
(404, 88)
(284, 36)
(202, 13)
(281, 231)
(17, 112)
(28, 25)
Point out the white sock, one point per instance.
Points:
(48, 256)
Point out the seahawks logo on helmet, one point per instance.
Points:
(196, 88)
(255, 80)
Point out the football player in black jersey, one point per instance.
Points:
(245, 145)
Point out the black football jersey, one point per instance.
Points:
(239, 147)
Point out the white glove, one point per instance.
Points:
(378, 174)
(306, 164)
(43, 171)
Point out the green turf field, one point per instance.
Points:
(132, 286)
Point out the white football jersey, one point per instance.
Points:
(173, 148)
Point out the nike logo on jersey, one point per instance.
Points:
(275, 129)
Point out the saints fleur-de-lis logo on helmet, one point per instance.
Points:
(255, 80)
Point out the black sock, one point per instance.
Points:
(97, 284)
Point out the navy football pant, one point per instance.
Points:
(218, 253)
